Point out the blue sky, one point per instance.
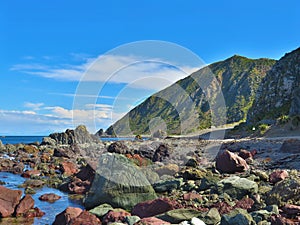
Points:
(47, 47)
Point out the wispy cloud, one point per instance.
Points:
(111, 68)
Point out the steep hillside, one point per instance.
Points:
(185, 107)
(279, 93)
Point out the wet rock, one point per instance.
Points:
(228, 162)
(31, 173)
(67, 215)
(35, 212)
(152, 221)
(153, 207)
(283, 192)
(237, 187)
(161, 153)
(29, 190)
(101, 210)
(178, 215)
(278, 175)
(237, 217)
(115, 216)
(9, 199)
(49, 197)
(119, 183)
(118, 147)
(26, 203)
(85, 218)
(68, 168)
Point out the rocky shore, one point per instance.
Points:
(158, 181)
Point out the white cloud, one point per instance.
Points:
(33, 106)
(112, 68)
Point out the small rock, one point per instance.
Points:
(161, 153)
(30, 173)
(36, 212)
(167, 185)
(101, 210)
(169, 169)
(245, 154)
(191, 196)
(115, 216)
(178, 215)
(278, 175)
(67, 215)
(212, 216)
(85, 218)
(152, 207)
(68, 168)
(228, 162)
(49, 197)
(131, 220)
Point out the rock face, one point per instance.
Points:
(119, 183)
(229, 162)
(239, 78)
(279, 91)
(78, 136)
(9, 199)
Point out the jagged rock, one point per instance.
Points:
(119, 183)
(9, 199)
(228, 162)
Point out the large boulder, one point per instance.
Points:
(237, 187)
(228, 162)
(119, 183)
(9, 199)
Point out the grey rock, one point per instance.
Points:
(131, 220)
(237, 217)
(101, 210)
(119, 183)
(178, 215)
(237, 187)
(167, 185)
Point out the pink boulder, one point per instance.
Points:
(152, 207)
(228, 162)
(9, 199)
(278, 175)
(67, 215)
(25, 205)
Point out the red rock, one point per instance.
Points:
(68, 168)
(245, 154)
(151, 221)
(36, 212)
(25, 205)
(245, 203)
(191, 196)
(9, 199)
(152, 207)
(280, 220)
(29, 173)
(291, 209)
(85, 218)
(229, 162)
(115, 216)
(86, 173)
(278, 175)
(49, 197)
(78, 186)
(67, 215)
(223, 207)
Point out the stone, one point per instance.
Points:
(31, 149)
(260, 215)
(167, 185)
(131, 220)
(261, 174)
(211, 217)
(228, 162)
(26, 203)
(48, 141)
(178, 215)
(291, 209)
(245, 203)
(8, 165)
(280, 220)
(115, 216)
(237, 187)
(152, 221)
(85, 218)
(237, 217)
(161, 153)
(35, 212)
(278, 175)
(245, 154)
(197, 221)
(51, 197)
(192, 162)
(33, 183)
(119, 183)
(283, 192)
(118, 147)
(191, 196)
(152, 207)
(193, 173)
(67, 215)
(101, 210)
(68, 168)
(77, 186)
(169, 169)
(31, 173)
(9, 199)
